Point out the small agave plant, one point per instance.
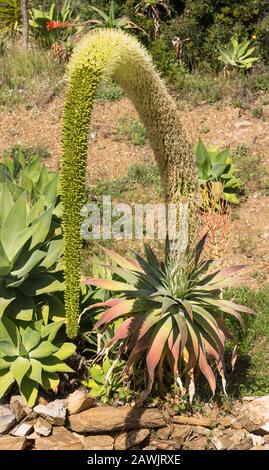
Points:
(173, 315)
(31, 357)
(238, 55)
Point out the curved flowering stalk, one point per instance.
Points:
(172, 314)
(114, 54)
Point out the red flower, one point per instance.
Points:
(55, 24)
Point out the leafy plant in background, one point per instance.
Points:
(216, 173)
(237, 54)
(31, 357)
(41, 20)
(10, 17)
(110, 20)
(172, 315)
(31, 276)
(107, 381)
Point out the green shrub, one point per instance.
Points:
(216, 173)
(109, 92)
(209, 24)
(131, 129)
(107, 381)
(31, 357)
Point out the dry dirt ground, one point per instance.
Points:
(108, 158)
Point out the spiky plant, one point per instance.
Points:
(114, 54)
(172, 313)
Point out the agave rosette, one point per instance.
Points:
(172, 313)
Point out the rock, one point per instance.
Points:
(12, 443)
(165, 433)
(257, 440)
(103, 419)
(60, 439)
(201, 431)
(149, 448)
(133, 438)
(79, 401)
(266, 438)
(102, 442)
(17, 405)
(198, 443)
(193, 421)
(232, 440)
(42, 427)
(227, 421)
(181, 433)
(164, 444)
(7, 419)
(54, 412)
(254, 415)
(23, 429)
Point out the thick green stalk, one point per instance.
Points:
(113, 54)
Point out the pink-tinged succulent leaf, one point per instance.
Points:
(160, 336)
(233, 305)
(110, 285)
(174, 346)
(211, 330)
(188, 308)
(121, 261)
(222, 273)
(107, 303)
(182, 326)
(123, 308)
(207, 371)
(150, 320)
(123, 331)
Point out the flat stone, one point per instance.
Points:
(54, 412)
(254, 415)
(23, 429)
(193, 421)
(133, 438)
(232, 440)
(17, 406)
(227, 421)
(181, 433)
(103, 419)
(7, 419)
(60, 439)
(198, 443)
(102, 442)
(164, 444)
(201, 431)
(165, 433)
(42, 427)
(12, 443)
(79, 401)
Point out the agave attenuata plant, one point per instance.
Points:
(173, 314)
